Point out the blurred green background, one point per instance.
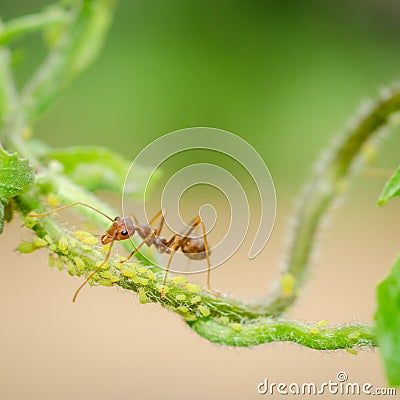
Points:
(284, 75)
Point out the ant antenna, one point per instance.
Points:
(71, 205)
(96, 270)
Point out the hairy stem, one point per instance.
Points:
(328, 183)
(78, 48)
(271, 330)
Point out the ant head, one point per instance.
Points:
(122, 228)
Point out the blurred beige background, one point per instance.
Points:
(108, 346)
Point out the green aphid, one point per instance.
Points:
(141, 281)
(95, 278)
(321, 323)
(39, 242)
(73, 243)
(105, 266)
(141, 269)
(105, 274)
(159, 287)
(205, 311)
(50, 261)
(85, 237)
(190, 317)
(118, 265)
(182, 309)
(353, 335)
(48, 239)
(236, 326)
(225, 320)
(352, 351)
(53, 247)
(151, 275)
(314, 331)
(53, 200)
(180, 279)
(181, 297)
(71, 268)
(114, 278)
(26, 247)
(105, 282)
(288, 283)
(59, 264)
(142, 296)
(87, 248)
(192, 287)
(63, 244)
(128, 272)
(30, 222)
(79, 264)
(195, 299)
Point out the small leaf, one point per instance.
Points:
(100, 168)
(387, 320)
(16, 176)
(391, 189)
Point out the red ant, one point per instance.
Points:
(122, 228)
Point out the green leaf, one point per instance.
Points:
(391, 189)
(16, 176)
(387, 320)
(100, 168)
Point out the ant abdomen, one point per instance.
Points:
(195, 249)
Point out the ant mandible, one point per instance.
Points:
(122, 228)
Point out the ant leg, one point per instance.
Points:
(152, 233)
(95, 271)
(71, 205)
(187, 265)
(194, 224)
(160, 226)
(161, 214)
(176, 244)
(134, 219)
(203, 228)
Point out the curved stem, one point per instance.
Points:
(225, 320)
(329, 182)
(75, 52)
(270, 330)
(31, 23)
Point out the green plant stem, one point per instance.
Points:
(271, 330)
(76, 50)
(6, 90)
(8, 93)
(26, 24)
(328, 183)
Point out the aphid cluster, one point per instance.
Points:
(122, 228)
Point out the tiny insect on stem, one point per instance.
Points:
(122, 228)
